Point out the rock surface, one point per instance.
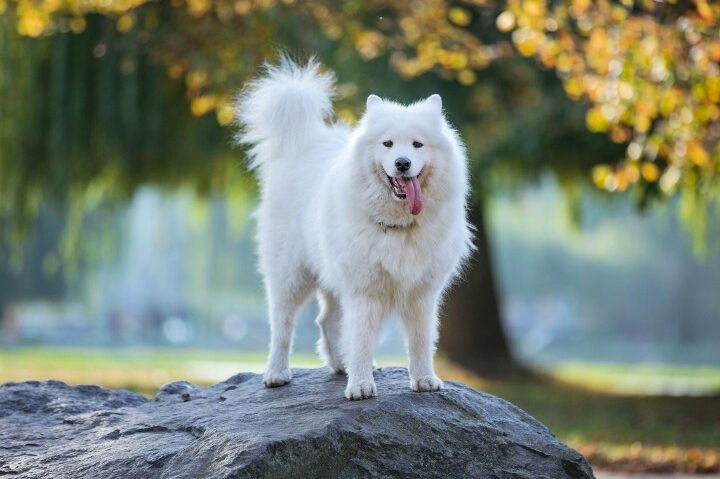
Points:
(238, 429)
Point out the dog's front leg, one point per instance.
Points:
(420, 317)
(362, 319)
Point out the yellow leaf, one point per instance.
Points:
(580, 7)
(619, 134)
(600, 174)
(242, 7)
(564, 63)
(650, 172)
(202, 104)
(347, 115)
(31, 20)
(574, 87)
(642, 124)
(596, 121)
(198, 8)
(175, 71)
(697, 154)
(77, 25)
(466, 77)
(632, 172)
(534, 8)
(526, 48)
(370, 44)
(619, 14)
(704, 10)
(621, 181)
(225, 115)
(460, 16)
(668, 102)
(713, 89)
(196, 79)
(125, 23)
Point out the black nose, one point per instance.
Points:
(402, 164)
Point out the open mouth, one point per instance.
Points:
(408, 189)
(398, 185)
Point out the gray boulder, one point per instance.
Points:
(238, 429)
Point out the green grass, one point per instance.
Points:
(140, 370)
(620, 431)
(641, 378)
(579, 403)
(586, 405)
(588, 416)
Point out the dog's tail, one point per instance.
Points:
(280, 111)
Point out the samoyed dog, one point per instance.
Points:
(371, 218)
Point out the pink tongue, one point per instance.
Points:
(413, 194)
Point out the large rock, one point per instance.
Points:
(238, 429)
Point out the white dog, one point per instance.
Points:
(371, 218)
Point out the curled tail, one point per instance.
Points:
(278, 112)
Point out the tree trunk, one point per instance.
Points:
(471, 331)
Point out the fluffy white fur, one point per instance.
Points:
(328, 221)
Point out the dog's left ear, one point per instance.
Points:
(435, 102)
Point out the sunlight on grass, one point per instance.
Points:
(142, 370)
(622, 432)
(641, 378)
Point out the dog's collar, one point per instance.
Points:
(385, 226)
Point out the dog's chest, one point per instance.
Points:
(367, 259)
(401, 257)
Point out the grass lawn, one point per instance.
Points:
(621, 431)
(594, 408)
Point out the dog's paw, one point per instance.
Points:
(276, 378)
(426, 383)
(361, 390)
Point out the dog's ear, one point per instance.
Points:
(372, 101)
(435, 102)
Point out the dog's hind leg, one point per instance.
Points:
(329, 320)
(285, 295)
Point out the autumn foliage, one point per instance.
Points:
(647, 70)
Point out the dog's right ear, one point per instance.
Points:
(372, 100)
(435, 101)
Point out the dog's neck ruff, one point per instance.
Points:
(385, 226)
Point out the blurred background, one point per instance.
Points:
(126, 237)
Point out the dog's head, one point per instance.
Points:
(407, 147)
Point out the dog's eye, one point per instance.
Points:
(417, 144)
(388, 143)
